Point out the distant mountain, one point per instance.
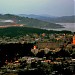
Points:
(46, 15)
(63, 19)
(28, 22)
(30, 16)
(36, 16)
(53, 19)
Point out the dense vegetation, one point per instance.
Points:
(21, 31)
(30, 22)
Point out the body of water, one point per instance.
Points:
(68, 26)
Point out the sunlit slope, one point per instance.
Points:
(29, 22)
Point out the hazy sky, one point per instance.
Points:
(50, 7)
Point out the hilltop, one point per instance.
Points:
(27, 22)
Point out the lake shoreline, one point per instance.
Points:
(67, 26)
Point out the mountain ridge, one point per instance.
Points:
(53, 19)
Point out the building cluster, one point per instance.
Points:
(57, 50)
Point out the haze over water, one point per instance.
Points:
(68, 26)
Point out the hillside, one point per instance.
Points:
(63, 19)
(21, 31)
(28, 22)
